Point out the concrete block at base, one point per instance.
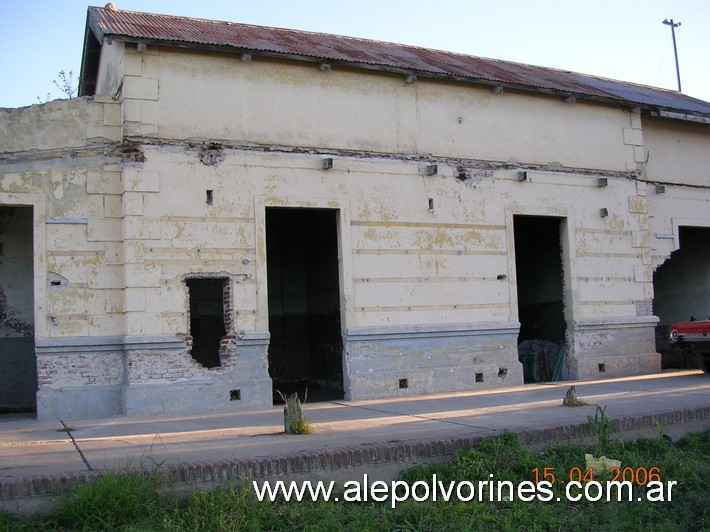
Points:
(195, 397)
(614, 347)
(420, 381)
(20, 372)
(604, 367)
(79, 402)
(404, 361)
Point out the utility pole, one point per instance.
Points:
(673, 26)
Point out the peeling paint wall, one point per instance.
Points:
(62, 159)
(172, 179)
(112, 69)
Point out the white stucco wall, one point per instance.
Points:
(121, 226)
(409, 265)
(210, 96)
(677, 152)
(114, 64)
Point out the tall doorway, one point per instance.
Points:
(540, 283)
(18, 361)
(305, 350)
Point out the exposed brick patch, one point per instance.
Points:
(79, 369)
(237, 470)
(161, 366)
(212, 155)
(228, 303)
(131, 153)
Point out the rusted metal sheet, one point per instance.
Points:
(354, 51)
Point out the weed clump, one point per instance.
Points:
(602, 427)
(295, 419)
(571, 398)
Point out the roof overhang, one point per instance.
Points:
(700, 119)
(105, 25)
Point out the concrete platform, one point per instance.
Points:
(39, 460)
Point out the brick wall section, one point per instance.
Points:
(228, 345)
(209, 474)
(228, 350)
(77, 370)
(163, 366)
(228, 301)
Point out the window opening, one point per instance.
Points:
(207, 326)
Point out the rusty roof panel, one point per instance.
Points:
(354, 51)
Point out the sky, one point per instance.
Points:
(618, 39)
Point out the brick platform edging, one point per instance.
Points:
(303, 462)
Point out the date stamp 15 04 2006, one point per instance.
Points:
(620, 483)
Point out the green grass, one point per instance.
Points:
(133, 501)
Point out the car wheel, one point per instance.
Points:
(704, 364)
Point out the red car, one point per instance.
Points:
(693, 337)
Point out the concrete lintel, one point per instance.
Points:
(253, 338)
(685, 116)
(67, 221)
(615, 323)
(58, 346)
(431, 331)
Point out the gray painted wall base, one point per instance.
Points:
(195, 397)
(86, 402)
(432, 359)
(243, 383)
(614, 347)
(377, 362)
(78, 402)
(606, 367)
(18, 373)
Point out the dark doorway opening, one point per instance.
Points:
(540, 284)
(18, 360)
(681, 287)
(305, 350)
(206, 319)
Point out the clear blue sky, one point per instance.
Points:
(619, 39)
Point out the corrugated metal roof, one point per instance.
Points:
(324, 47)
